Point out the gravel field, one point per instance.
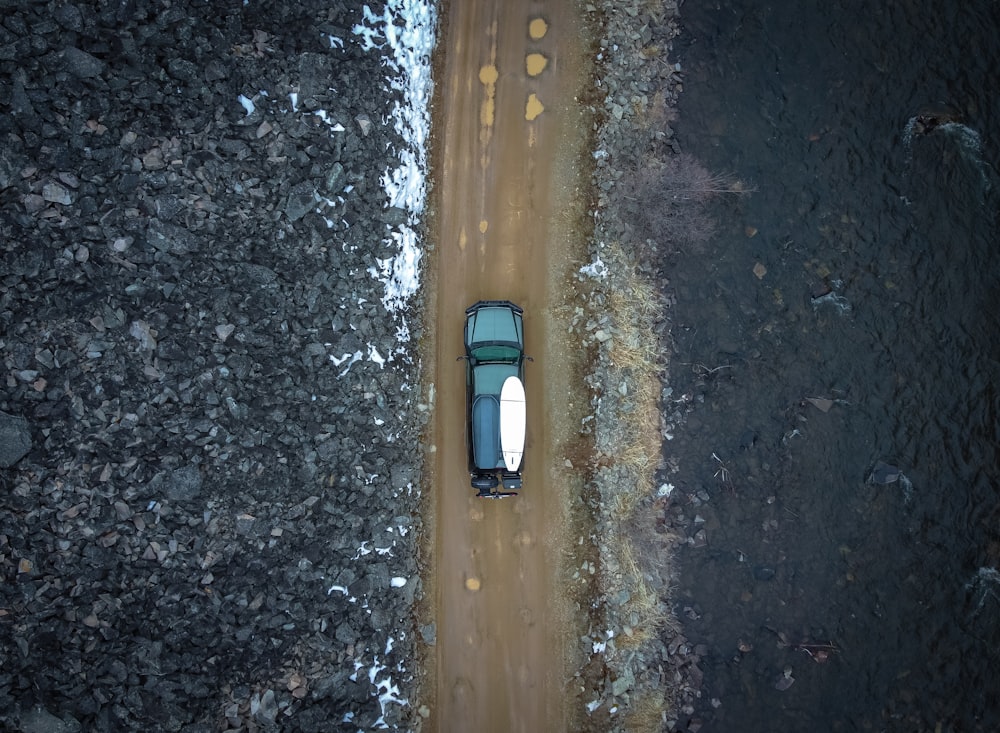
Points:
(208, 446)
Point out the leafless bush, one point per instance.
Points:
(669, 205)
(652, 545)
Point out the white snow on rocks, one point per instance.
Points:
(404, 34)
(247, 103)
(409, 72)
(596, 269)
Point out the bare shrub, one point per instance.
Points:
(652, 544)
(669, 205)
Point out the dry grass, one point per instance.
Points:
(642, 554)
(644, 610)
(645, 714)
(636, 359)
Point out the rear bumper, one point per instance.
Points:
(493, 485)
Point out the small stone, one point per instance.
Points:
(56, 194)
(40, 720)
(622, 684)
(153, 160)
(224, 331)
(759, 270)
(763, 572)
(429, 634)
(183, 484)
(785, 680)
(299, 203)
(364, 124)
(335, 178)
(268, 710)
(109, 539)
(81, 63)
(33, 203)
(244, 523)
(15, 439)
(122, 510)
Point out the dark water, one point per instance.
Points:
(881, 602)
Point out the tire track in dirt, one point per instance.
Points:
(505, 117)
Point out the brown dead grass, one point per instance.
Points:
(635, 358)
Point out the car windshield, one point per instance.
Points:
(496, 353)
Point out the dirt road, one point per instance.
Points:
(508, 136)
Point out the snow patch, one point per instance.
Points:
(596, 269)
(405, 30)
(247, 104)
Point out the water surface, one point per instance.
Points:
(869, 333)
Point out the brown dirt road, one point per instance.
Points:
(509, 137)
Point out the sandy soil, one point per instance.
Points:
(504, 204)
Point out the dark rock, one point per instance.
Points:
(15, 439)
(20, 105)
(883, 473)
(345, 633)
(40, 720)
(81, 63)
(300, 201)
(170, 238)
(56, 194)
(183, 484)
(335, 178)
(69, 17)
(763, 572)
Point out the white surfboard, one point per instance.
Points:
(512, 420)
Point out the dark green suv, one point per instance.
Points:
(495, 405)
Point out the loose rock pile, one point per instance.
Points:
(652, 674)
(208, 451)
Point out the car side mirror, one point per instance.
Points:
(462, 357)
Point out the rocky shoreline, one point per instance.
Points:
(652, 673)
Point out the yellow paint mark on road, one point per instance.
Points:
(462, 239)
(536, 63)
(483, 226)
(533, 108)
(472, 584)
(537, 29)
